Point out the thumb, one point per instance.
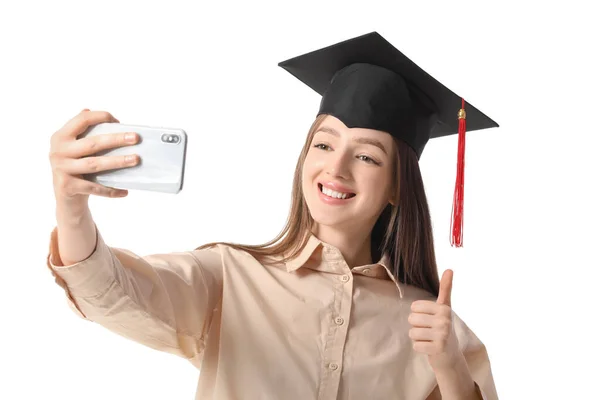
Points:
(445, 288)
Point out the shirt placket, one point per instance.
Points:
(337, 332)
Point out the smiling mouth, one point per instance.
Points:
(335, 195)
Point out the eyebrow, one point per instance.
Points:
(361, 140)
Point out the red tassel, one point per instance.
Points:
(457, 208)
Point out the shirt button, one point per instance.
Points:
(333, 366)
(366, 271)
(339, 320)
(345, 278)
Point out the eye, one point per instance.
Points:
(368, 160)
(322, 146)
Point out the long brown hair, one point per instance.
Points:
(403, 231)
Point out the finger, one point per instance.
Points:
(103, 191)
(427, 347)
(78, 124)
(425, 307)
(445, 288)
(421, 320)
(91, 145)
(72, 186)
(426, 334)
(90, 165)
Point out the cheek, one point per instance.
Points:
(307, 173)
(378, 187)
(311, 160)
(310, 167)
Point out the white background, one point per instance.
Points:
(527, 278)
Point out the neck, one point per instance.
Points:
(354, 246)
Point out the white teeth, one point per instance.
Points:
(333, 193)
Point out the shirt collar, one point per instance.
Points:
(321, 256)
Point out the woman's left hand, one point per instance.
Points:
(432, 329)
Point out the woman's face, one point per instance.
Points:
(347, 174)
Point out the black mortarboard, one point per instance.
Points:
(368, 83)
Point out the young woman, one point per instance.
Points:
(345, 303)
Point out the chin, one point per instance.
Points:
(333, 217)
(330, 219)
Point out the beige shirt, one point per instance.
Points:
(312, 328)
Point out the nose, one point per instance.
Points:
(338, 165)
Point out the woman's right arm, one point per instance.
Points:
(70, 158)
(76, 233)
(164, 301)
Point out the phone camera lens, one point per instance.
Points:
(170, 138)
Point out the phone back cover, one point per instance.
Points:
(161, 166)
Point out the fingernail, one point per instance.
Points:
(130, 159)
(130, 136)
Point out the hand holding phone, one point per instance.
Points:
(161, 152)
(94, 154)
(71, 158)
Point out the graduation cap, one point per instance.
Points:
(367, 83)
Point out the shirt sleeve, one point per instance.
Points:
(477, 358)
(163, 301)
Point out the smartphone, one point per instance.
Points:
(162, 153)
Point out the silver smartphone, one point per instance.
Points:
(162, 153)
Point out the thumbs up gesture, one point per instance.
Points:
(432, 330)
